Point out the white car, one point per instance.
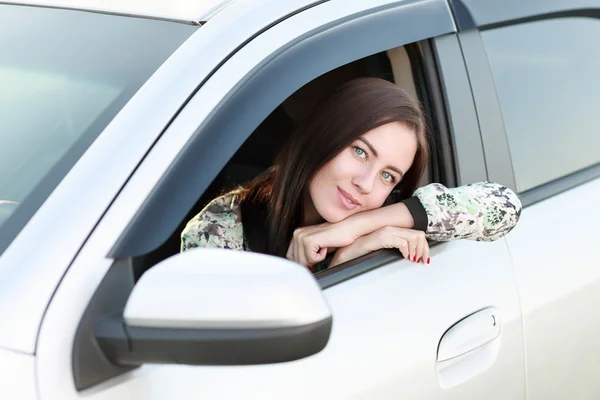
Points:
(117, 124)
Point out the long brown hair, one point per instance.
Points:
(273, 205)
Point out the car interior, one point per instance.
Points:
(258, 153)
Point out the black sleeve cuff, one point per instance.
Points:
(416, 209)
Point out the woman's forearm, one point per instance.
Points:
(483, 211)
(363, 223)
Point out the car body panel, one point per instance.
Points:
(556, 258)
(387, 326)
(175, 10)
(17, 372)
(554, 249)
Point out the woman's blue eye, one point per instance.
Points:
(388, 177)
(359, 152)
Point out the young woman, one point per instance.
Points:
(345, 184)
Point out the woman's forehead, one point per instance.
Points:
(393, 134)
(394, 143)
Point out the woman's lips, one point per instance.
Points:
(347, 200)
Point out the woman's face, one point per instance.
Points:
(363, 175)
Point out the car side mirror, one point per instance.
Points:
(219, 307)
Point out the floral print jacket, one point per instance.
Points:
(483, 211)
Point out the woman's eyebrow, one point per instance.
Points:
(370, 146)
(397, 171)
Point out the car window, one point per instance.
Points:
(64, 74)
(546, 76)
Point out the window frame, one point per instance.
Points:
(475, 18)
(379, 29)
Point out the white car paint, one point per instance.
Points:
(17, 375)
(559, 285)
(177, 9)
(370, 355)
(183, 291)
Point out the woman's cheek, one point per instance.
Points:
(377, 199)
(385, 194)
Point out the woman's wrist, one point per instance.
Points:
(348, 253)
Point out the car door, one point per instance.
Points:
(448, 330)
(534, 77)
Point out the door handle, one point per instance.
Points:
(469, 347)
(469, 333)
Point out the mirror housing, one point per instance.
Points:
(219, 307)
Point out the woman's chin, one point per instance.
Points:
(333, 216)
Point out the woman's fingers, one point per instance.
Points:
(301, 256)
(313, 252)
(412, 248)
(421, 243)
(290, 255)
(298, 250)
(321, 254)
(392, 237)
(309, 246)
(402, 245)
(304, 248)
(295, 250)
(426, 253)
(412, 244)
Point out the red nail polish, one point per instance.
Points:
(415, 258)
(420, 259)
(429, 259)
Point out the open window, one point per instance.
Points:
(412, 67)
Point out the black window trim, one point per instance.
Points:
(383, 23)
(573, 179)
(560, 185)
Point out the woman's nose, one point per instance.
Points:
(364, 182)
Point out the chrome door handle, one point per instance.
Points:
(469, 347)
(470, 333)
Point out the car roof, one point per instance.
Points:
(186, 10)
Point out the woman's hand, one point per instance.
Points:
(311, 244)
(411, 243)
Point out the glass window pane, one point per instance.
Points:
(64, 74)
(546, 75)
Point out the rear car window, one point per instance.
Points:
(546, 75)
(64, 75)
